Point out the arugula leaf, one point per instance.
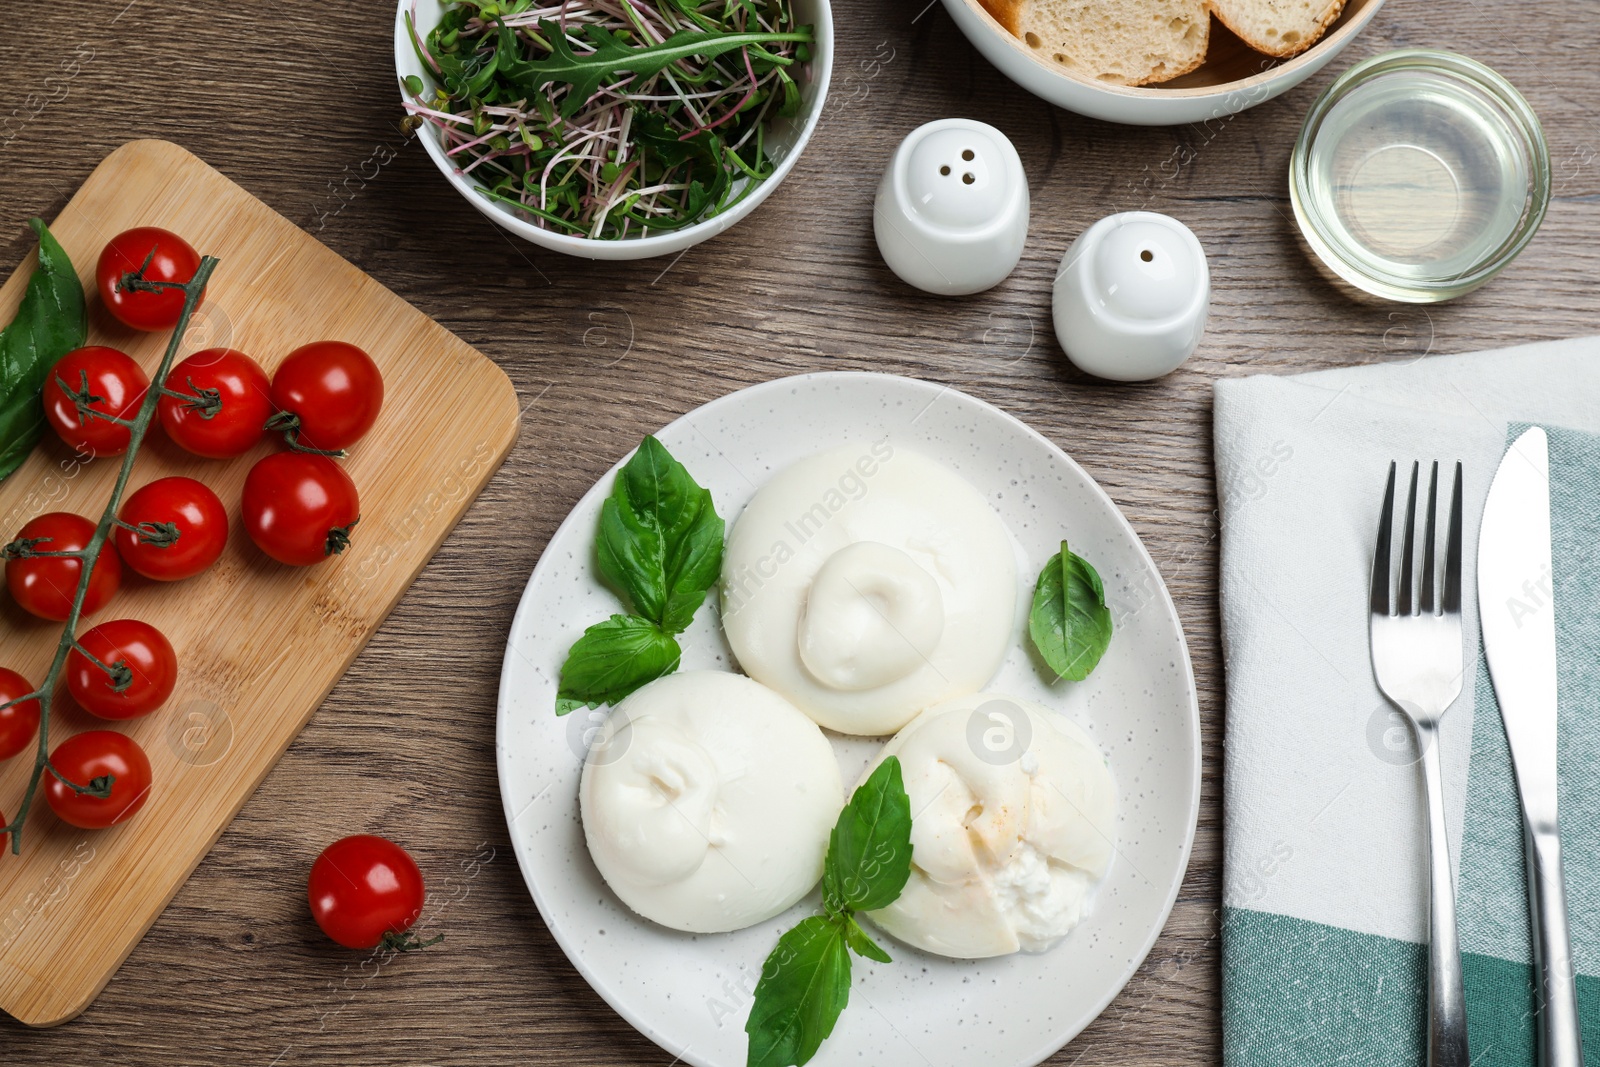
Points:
(51, 321)
(660, 541)
(869, 851)
(1070, 623)
(804, 986)
(612, 659)
(708, 179)
(610, 55)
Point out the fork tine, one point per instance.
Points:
(1380, 556)
(1408, 545)
(1452, 551)
(1427, 606)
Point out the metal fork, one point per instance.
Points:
(1417, 658)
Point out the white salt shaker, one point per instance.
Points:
(952, 209)
(1132, 296)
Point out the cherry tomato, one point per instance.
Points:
(115, 386)
(45, 585)
(164, 257)
(85, 757)
(151, 670)
(185, 504)
(329, 394)
(19, 723)
(231, 400)
(299, 507)
(365, 890)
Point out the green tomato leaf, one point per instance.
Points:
(804, 986)
(612, 659)
(869, 851)
(51, 321)
(1070, 623)
(660, 540)
(861, 944)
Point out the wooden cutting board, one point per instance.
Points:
(259, 644)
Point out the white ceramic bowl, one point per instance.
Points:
(1232, 78)
(786, 139)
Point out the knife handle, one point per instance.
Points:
(1447, 1002)
(1560, 1043)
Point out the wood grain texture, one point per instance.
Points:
(259, 644)
(296, 102)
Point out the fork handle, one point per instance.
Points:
(1559, 1042)
(1447, 1001)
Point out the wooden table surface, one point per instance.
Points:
(296, 101)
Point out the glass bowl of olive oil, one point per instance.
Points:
(1419, 175)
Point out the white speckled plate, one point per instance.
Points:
(691, 994)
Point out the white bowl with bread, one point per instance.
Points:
(1160, 62)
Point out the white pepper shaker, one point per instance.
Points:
(1132, 296)
(951, 214)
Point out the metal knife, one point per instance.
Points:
(1516, 607)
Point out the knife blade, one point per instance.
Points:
(1516, 609)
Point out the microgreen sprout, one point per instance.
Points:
(610, 118)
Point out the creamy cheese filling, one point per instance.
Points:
(1013, 826)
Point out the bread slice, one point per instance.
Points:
(1278, 27)
(1121, 42)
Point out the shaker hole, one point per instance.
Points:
(967, 179)
(1146, 256)
(944, 170)
(966, 154)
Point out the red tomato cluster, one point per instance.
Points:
(298, 507)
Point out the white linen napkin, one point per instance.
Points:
(1325, 890)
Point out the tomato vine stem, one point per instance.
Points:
(288, 424)
(89, 555)
(207, 402)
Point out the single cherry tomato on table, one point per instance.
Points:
(365, 891)
(180, 528)
(156, 255)
(45, 585)
(328, 394)
(109, 382)
(299, 507)
(98, 758)
(19, 723)
(225, 405)
(144, 670)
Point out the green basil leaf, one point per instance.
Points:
(1070, 623)
(804, 986)
(630, 551)
(694, 562)
(861, 944)
(869, 851)
(612, 659)
(660, 541)
(51, 321)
